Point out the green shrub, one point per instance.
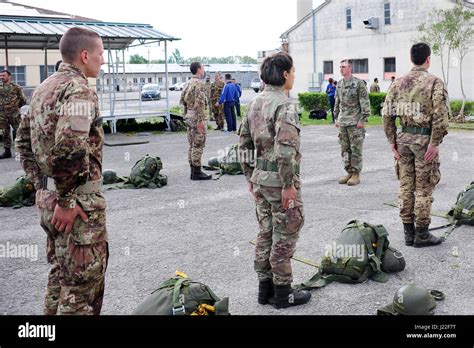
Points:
(456, 107)
(311, 100)
(376, 103)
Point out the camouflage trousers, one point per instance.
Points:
(76, 280)
(279, 232)
(197, 142)
(218, 112)
(7, 120)
(351, 139)
(418, 179)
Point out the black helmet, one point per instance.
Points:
(110, 176)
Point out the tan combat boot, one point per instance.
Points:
(345, 179)
(354, 180)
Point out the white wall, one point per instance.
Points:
(334, 42)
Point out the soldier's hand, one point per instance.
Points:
(360, 125)
(337, 124)
(201, 126)
(251, 190)
(37, 198)
(395, 151)
(63, 218)
(431, 153)
(288, 197)
(217, 104)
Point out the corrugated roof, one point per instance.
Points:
(38, 33)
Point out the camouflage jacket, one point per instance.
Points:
(208, 89)
(352, 102)
(375, 88)
(60, 137)
(271, 132)
(216, 91)
(194, 101)
(11, 99)
(420, 100)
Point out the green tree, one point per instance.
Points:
(460, 28)
(137, 59)
(177, 57)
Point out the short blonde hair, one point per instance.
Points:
(346, 60)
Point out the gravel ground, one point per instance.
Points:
(204, 229)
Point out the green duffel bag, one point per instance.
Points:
(360, 252)
(21, 194)
(182, 296)
(462, 211)
(146, 174)
(228, 164)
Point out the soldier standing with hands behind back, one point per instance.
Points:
(352, 111)
(421, 101)
(11, 100)
(60, 143)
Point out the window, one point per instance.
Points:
(328, 68)
(348, 18)
(160, 80)
(183, 79)
(135, 80)
(50, 72)
(18, 74)
(142, 80)
(360, 66)
(149, 80)
(389, 65)
(386, 13)
(175, 80)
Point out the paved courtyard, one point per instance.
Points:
(204, 229)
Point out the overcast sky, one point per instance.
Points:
(206, 27)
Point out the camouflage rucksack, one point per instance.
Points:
(462, 212)
(229, 163)
(182, 296)
(361, 252)
(146, 174)
(21, 194)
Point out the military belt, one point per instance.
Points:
(416, 130)
(90, 187)
(270, 166)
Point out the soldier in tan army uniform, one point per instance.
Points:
(271, 132)
(60, 143)
(420, 100)
(352, 111)
(194, 103)
(218, 111)
(11, 100)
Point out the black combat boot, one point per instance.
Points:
(6, 154)
(198, 174)
(423, 238)
(192, 171)
(409, 230)
(286, 297)
(266, 291)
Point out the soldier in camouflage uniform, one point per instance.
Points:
(271, 130)
(194, 103)
(208, 95)
(218, 111)
(352, 110)
(60, 143)
(420, 100)
(11, 100)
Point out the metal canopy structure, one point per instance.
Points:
(43, 33)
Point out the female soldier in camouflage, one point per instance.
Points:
(271, 132)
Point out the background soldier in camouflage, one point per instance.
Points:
(11, 100)
(218, 111)
(352, 111)
(194, 103)
(421, 101)
(271, 130)
(208, 94)
(60, 142)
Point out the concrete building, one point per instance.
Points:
(140, 74)
(336, 29)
